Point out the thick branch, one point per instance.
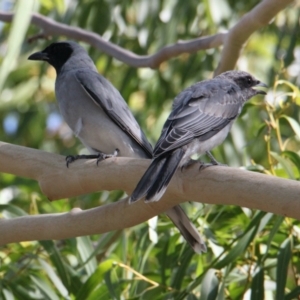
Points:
(216, 185)
(233, 41)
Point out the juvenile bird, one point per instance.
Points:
(201, 118)
(99, 116)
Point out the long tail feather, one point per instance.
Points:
(163, 178)
(187, 228)
(146, 181)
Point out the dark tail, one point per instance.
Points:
(153, 184)
(186, 228)
(156, 179)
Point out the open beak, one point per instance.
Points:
(259, 91)
(39, 56)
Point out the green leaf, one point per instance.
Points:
(6, 294)
(261, 128)
(275, 228)
(16, 37)
(285, 164)
(210, 285)
(238, 249)
(19, 291)
(95, 279)
(294, 157)
(58, 262)
(44, 287)
(54, 278)
(294, 294)
(293, 123)
(11, 211)
(101, 293)
(242, 243)
(87, 254)
(153, 292)
(113, 291)
(295, 89)
(181, 270)
(284, 257)
(257, 285)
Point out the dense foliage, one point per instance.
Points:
(251, 254)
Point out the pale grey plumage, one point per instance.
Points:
(100, 118)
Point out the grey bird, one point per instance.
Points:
(201, 117)
(99, 116)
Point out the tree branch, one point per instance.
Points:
(260, 16)
(215, 185)
(233, 41)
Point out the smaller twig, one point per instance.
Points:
(233, 40)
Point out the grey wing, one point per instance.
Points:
(201, 113)
(104, 94)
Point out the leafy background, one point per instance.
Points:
(251, 254)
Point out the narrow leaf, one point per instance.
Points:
(210, 285)
(293, 123)
(58, 262)
(87, 254)
(294, 294)
(17, 34)
(94, 280)
(285, 164)
(284, 257)
(257, 286)
(294, 157)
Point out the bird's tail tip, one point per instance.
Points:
(132, 199)
(154, 197)
(200, 247)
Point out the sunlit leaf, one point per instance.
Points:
(95, 279)
(210, 285)
(87, 254)
(294, 88)
(294, 294)
(293, 123)
(285, 164)
(54, 278)
(11, 211)
(17, 35)
(294, 157)
(58, 262)
(47, 292)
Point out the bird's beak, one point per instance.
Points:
(260, 84)
(39, 56)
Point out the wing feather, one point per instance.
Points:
(105, 95)
(196, 115)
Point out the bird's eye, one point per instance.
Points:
(249, 80)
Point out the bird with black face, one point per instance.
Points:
(201, 118)
(99, 116)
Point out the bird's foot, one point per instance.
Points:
(72, 158)
(99, 156)
(102, 156)
(190, 163)
(205, 165)
(213, 161)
